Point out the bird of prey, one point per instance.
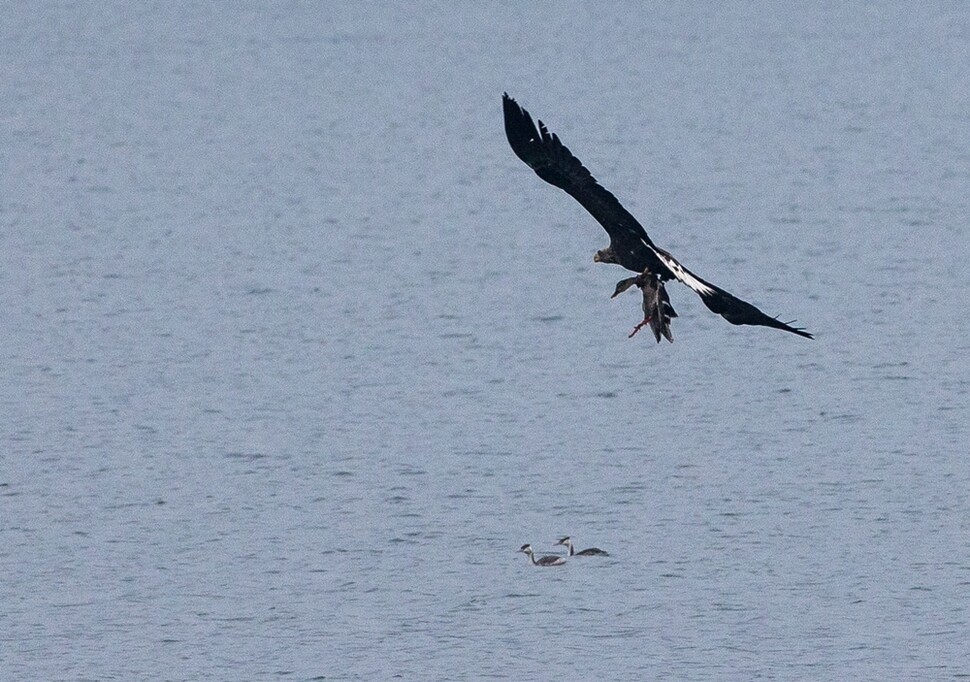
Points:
(630, 246)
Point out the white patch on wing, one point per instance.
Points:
(683, 275)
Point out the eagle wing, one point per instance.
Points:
(553, 162)
(719, 301)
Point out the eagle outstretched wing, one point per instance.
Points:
(553, 162)
(632, 248)
(719, 301)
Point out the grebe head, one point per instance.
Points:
(551, 560)
(567, 542)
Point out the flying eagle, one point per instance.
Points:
(630, 246)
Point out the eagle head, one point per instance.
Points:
(604, 256)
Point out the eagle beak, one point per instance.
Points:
(623, 285)
(596, 257)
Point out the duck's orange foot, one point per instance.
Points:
(640, 326)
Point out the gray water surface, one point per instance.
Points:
(296, 353)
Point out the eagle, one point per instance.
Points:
(629, 246)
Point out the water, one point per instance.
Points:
(296, 353)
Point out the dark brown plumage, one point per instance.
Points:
(630, 246)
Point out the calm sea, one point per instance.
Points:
(295, 353)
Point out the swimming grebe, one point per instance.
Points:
(550, 560)
(592, 551)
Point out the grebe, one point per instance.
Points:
(592, 551)
(630, 246)
(550, 560)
